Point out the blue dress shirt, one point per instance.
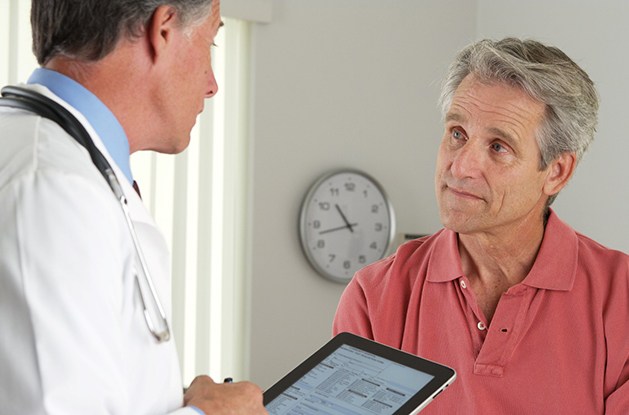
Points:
(99, 116)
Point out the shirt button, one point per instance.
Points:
(481, 326)
(463, 284)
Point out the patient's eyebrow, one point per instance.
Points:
(494, 131)
(454, 116)
(512, 139)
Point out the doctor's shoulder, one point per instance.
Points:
(32, 144)
(46, 175)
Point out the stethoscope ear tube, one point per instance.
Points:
(26, 99)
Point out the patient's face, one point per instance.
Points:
(488, 177)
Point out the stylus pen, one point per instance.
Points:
(228, 380)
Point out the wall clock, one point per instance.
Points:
(346, 222)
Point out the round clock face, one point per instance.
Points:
(346, 223)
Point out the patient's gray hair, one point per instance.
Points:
(546, 74)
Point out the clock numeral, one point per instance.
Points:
(324, 205)
(343, 222)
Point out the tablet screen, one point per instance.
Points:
(347, 379)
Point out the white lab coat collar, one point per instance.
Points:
(137, 208)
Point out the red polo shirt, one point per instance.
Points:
(558, 342)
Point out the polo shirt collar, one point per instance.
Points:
(554, 268)
(445, 261)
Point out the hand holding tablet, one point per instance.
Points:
(354, 375)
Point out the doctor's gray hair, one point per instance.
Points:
(548, 75)
(88, 30)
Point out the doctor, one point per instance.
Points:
(73, 334)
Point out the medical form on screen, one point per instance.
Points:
(350, 382)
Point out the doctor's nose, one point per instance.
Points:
(212, 87)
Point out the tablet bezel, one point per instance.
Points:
(443, 375)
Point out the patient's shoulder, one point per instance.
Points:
(402, 268)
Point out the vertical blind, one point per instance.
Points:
(198, 198)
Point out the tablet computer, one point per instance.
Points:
(357, 376)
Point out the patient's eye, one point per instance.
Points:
(498, 147)
(457, 134)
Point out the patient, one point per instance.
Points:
(533, 316)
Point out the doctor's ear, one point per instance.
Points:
(161, 28)
(559, 172)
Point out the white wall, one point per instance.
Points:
(349, 83)
(354, 83)
(593, 34)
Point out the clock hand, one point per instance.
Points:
(338, 228)
(344, 218)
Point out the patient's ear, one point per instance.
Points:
(559, 172)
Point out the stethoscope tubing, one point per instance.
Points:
(22, 98)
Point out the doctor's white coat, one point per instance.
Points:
(73, 339)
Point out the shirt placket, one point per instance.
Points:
(504, 332)
(475, 320)
(494, 344)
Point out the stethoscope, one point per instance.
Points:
(32, 101)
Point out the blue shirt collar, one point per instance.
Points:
(99, 116)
